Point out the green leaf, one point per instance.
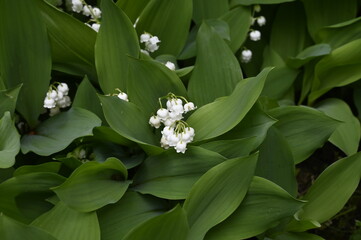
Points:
(332, 189)
(25, 55)
(239, 21)
(86, 97)
(279, 82)
(65, 223)
(8, 100)
(276, 163)
(171, 225)
(11, 229)
(56, 133)
(133, 8)
(213, 77)
(171, 175)
(107, 134)
(169, 20)
(128, 120)
(347, 135)
(304, 128)
(323, 13)
(337, 69)
(264, 206)
(150, 80)
(233, 148)
(71, 41)
(253, 2)
(133, 209)
(53, 167)
(218, 193)
(9, 141)
(94, 185)
(308, 54)
(24, 197)
(116, 41)
(341, 33)
(229, 110)
(297, 236)
(207, 9)
(290, 24)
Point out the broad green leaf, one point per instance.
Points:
(107, 134)
(171, 175)
(133, 209)
(290, 24)
(56, 133)
(323, 13)
(332, 189)
(171, 225)
(297, 236)
(220, 27)
(276, 163)
(8, 100)
(128, 120)
(264, 206)
(212, 77)
(24, 197)
(308, 54)
(307, 79)
(150, 80)
(86, 97)
(279, 81)
(133, 8)
(116, 41)
(169, 20)
(94, 185)
(304, 128)
(9, 141)
(53, 167)
(6, 173)
(233, 148)
(347, 135)
(340, 68)
(65, 223)
(71, 41)
(207, 9)
(218, 193)
(341, 33)
(229, 110)
(11, 229)
(239, 21)
(25, 55)
(253, 2)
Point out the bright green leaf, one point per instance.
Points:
(94, 185)
(53, 167)
(229, 110)
(8, 99)
(218, 193)
(9, 141)
(308, 54)
(57, 132)
(133, 8)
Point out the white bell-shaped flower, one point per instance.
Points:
(63, 87)
(181, 147)
(255, 35)
(86, 10)
(189, 106)
(77, 6)
(261, 21)
(97, 12)
(144, 37)
(95, 27)
(170, 65)
(162, 113)
(54, 111)
(154, 121)
(246, 55)
(123, 96)
(49, 102)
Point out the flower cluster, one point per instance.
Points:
(176, 133)
(80, 6)
(254, 35)
(150, 42)
(57, 97)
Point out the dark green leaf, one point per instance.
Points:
(171, 175)
(57, 132)
(297, 236)
(25, 55)
(308, 54)
(53, 167)
(133, 8)
(94, 185)
(116, 41)
(254, 2)
(171, 225)
(9, 141)
(8, 100)
(218, 193)
(206, 9)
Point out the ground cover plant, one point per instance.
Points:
(180, 119)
